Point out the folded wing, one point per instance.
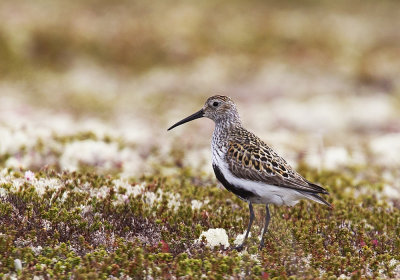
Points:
(254, 160)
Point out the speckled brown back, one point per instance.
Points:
(250, 158)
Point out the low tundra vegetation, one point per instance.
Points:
(87, 225)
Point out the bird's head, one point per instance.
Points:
(219, 108)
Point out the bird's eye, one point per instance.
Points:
(215, 104)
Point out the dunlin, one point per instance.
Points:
(248, 167)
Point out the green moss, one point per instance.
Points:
(85, 235)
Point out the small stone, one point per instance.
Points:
(18, 265)
(215, 237)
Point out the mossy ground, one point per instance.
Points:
(85, 226)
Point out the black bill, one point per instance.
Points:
(196, 115)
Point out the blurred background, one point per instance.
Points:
(95, 84)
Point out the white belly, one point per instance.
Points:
(264, 193)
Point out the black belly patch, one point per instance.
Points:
(241, 193)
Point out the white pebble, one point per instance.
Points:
(215, 237)
(18, 264)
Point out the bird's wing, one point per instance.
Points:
(254, 160)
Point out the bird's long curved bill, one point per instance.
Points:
(196, 115)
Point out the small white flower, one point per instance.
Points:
(46, 225)
(196, 204)
(393, 262)
(150, 198)
(44, 184)
(29, 176)
(36, 250)
(100, 195)
(173, 201)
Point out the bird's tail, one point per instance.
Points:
(315, 197)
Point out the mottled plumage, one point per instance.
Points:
(250, 158)
(247, 167)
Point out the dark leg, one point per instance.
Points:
(240, 247)
(267, 219)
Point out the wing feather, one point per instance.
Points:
(252, 159)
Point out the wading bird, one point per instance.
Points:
(248, 167)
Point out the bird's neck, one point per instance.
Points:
(223, 130)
